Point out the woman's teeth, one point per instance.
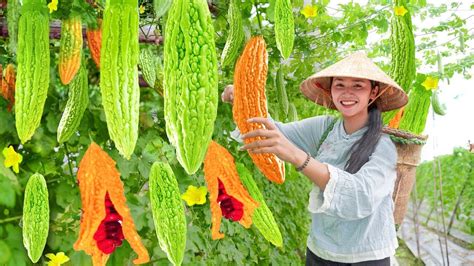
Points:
(348, 103)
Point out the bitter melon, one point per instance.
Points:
(168, 211)
(75, 106)
(119, 73)
(33, 67)
(190, 81)
(35, 216)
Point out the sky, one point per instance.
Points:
(457, 126)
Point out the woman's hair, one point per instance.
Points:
(365, 146)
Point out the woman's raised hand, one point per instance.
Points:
(273, 141)
(228, 95)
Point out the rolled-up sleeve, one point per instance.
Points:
(355, 196)
(306, 133)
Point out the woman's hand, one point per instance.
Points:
(274, 142)
(228, 95)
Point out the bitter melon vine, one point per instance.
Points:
(438, 107)
(262, 217)
(402, 43)
(284, 27)
(168, 211)
(236, 35)
(94, 40)
(33, 67)
(7, 85)
(35, 216)
(416, 111)
(161, 7)
(75, 106)
(281, 92)
(190, 81)
(106, 219)
(119, 73)
(227, 196)
(250, 100)
(70, 49)
(149, 65)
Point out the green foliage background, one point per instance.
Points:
(457, 178)
(320, 41)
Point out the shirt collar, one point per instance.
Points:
(355, 134)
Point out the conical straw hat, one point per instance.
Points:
(357, 65)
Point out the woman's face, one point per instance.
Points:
(351, 95)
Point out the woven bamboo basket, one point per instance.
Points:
(409, 152)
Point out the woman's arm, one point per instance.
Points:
(342, 194)
(279, 145)
(305, 134)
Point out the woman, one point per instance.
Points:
(354, 168)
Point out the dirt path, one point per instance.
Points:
(432, 252)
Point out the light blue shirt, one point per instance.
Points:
(352, 219)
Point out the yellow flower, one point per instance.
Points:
(430, 83)
(58, 259)
(142, 9)
(53, 6)
(12, 159)
(400, 11)
(309, 11)
(195, 195)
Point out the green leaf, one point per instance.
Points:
(144, 167)
(52, 122)
(271, 11)
(9, 176)
(126, 167)
(14, 240)
(122, 256)
(80, 258)
(5, 252)
(66, 194)
(7, 119)
(7, 193)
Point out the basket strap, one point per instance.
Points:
(410, 164)
(326, 133)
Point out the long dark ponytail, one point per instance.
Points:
(365, 146)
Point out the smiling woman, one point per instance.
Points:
(351, 97)
(353, 169)
(349, 91)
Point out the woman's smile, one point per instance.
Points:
(348, 103)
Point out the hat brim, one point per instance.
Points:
(357, 65)
(318, 90)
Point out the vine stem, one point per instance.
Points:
(53, 180)
(144, 34)
(258, 18)
(149, 28)
(10, 219)
(438, 183)
(68, 160)
(458, 202)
